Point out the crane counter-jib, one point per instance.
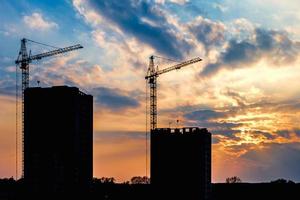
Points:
(50, 53)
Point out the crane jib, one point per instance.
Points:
(175, 67)
(48, 54)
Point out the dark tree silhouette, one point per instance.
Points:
(126, 183)
(233, 179)
(282, 181)
(104, 180)
(140, 180)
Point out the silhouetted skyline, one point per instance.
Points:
(220, 191)
(245, 91)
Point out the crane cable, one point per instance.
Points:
(17, 121)
(176, 104)
(43, 44)
(163, 58)
(146, 107)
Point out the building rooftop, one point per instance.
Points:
(183, 130)
(59, 87)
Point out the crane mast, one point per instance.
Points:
(151, 76)
(23, 61)
(153, 95)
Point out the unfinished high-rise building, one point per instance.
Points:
(58, 139)
(181, 163)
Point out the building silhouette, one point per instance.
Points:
(58, 140)
(181, 163)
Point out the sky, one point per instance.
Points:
(245, 91)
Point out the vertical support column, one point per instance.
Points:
(153, 98)
(25, 84)
(153, 103)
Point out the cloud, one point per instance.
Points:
(208, 32)
(145, 22)
(220, 7)
(179, 2)
(38, 22)
(274, 46)
(114, 99)
(203, 115)
(226, 129)
(8, 91)
(245, 117)
(265, 134)
(8, 86)
(215, 121)
(286, 133)
(237, 54)
(273, 161)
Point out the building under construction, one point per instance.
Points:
(58, 139)
(181, 163)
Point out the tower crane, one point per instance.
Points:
(23, 60)
(151, 77)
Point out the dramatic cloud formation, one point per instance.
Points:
(272, 45)
(268, 168)
(146, 22)
(250, 127)
(203, 115)
(38, 22)
(208, 32)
